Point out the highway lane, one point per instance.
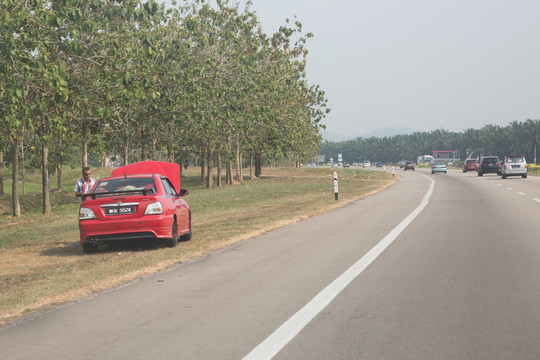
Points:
(458, 282)
(461, 282)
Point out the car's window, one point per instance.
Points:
(125, 184)
(169, 188)
(516, 159)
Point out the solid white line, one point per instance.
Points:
(288, 330)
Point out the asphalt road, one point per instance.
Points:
(442, 266)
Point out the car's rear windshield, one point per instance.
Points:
(471, 161)
(515, 159)
(490, 159)
(125, 184)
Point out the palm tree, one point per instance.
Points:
(531, 131)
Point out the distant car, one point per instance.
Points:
(470, 165)
(139, 201)
(408, 165)
(334, 165)
(366, 164)
(346, 164)
(401, 163)
(514, 166)
(379, 164)
(438, 166)
(489, 164)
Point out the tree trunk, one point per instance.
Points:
(258, 164)
(228, 165)
(126, 150)
(180, 156)
(59, 173)
(238, 160)
(15, 178)
(228, 173)
(154, 141)
(219, 169)
(1, 172)
(209, 178)
(45, 180)
(84, 144)
(23, 172)
(60, 160)
(143, 147)
(202, 166)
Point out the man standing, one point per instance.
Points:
(84, 184)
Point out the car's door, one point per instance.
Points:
(178, 204)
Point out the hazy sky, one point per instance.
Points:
(420, 64)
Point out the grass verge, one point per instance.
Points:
(41, 260)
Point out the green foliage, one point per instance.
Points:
(522, 138)
(124, 75)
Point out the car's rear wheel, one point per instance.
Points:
(187, 236)
(504, 176)
(174, 240)
(89, 248)
(524, 176)
(480, 174)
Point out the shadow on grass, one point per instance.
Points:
(75, 249)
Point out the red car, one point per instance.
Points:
(139, 201)
(470, 165)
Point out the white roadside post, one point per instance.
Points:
(393, 171)
(335, 186)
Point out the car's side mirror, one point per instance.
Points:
(183, 192)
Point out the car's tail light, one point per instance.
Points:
(86, 213)
(154, 208)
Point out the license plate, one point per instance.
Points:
(120, 210)
(515, 166)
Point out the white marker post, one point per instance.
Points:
(335, 186)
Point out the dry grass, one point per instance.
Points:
(41, 261)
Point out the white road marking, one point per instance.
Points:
(537, 200)
(499, 184)
(509, 188)
(288, 330)
(521, 193)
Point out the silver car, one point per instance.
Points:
(514, 166)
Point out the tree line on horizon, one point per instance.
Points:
(125, 76)
(517, 138)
